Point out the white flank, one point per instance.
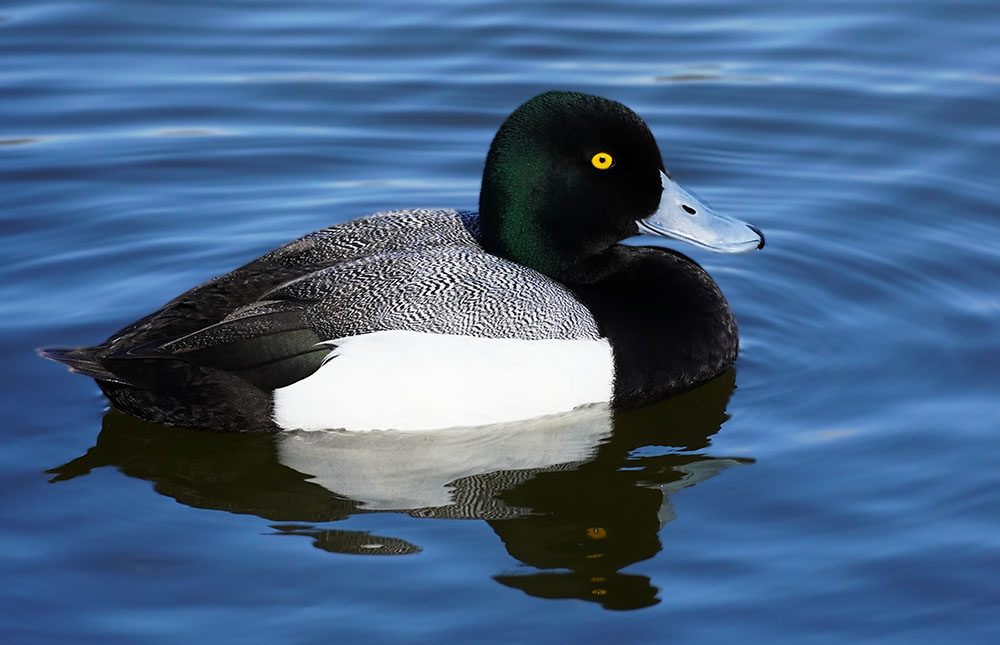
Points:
(406, 380)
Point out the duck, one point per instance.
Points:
(544, 300)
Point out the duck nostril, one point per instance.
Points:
(688, 209)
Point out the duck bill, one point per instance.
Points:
(684, 216)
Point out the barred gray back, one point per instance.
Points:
(418, 270)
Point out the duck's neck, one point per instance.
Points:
(514, 226)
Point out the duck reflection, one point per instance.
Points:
(575, 497)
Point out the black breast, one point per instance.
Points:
(669, 325)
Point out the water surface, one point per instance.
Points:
(840, 484)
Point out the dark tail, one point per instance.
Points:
(82, 360)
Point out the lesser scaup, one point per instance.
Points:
(423, 319)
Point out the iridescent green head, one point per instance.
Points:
(568, 176)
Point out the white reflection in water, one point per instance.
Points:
(391, 470)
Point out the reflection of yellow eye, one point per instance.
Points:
(602, 161)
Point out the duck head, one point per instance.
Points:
(570, 175)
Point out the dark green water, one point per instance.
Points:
(842, 484)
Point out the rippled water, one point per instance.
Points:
(842, 484)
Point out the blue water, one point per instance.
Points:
(842, 484)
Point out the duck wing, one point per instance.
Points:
(272, 347)
(230, 296)
(286, 335)
(371, 236)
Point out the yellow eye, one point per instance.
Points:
(602, 161)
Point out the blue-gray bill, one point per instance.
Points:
(684, 216)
